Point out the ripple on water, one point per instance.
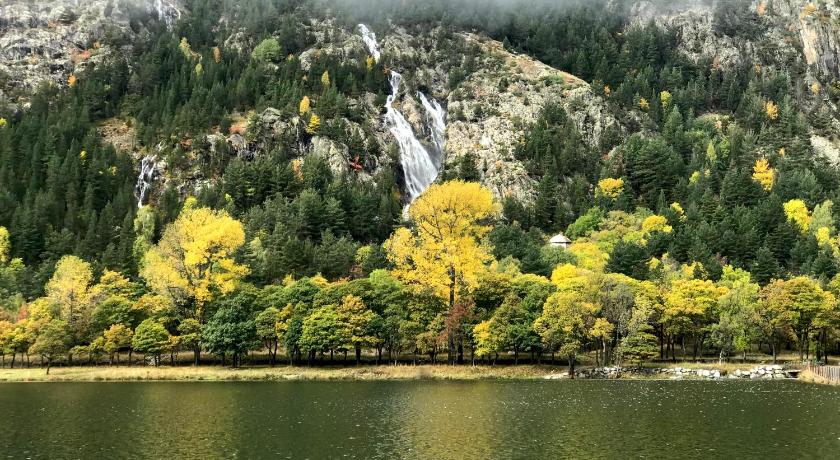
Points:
(493, 419)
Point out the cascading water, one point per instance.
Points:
(148, 174)
(436, 120)
(419, 169)
(420, 166)
(167, 12)
(370, 40)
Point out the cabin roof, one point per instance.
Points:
(559, 239)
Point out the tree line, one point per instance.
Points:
(444, 293)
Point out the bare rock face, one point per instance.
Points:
(491, 110)
(776, 32)
(799, 36)
(826, 148)
(47, 40)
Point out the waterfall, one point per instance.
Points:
(167, 12)
(370, 40)
(436, 120)
(148, 174)
(420, 167)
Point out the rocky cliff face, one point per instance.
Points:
(773, 32)
(490, 111)
(487, 113)
(48, 40)
(799, 35)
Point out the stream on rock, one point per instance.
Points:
(148, 174)
(420, 164)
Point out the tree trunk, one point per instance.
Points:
(196, 355)
(571, 367)
(48, 367)
(822, 343)
(661, 341)
(359, 355)
(773, 346)
(452, 285)
(702, 339)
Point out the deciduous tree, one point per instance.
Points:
(194, 261)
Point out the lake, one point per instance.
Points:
(420, 419)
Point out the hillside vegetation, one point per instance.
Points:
(689, 156)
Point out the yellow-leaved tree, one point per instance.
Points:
(690, 308)
(797, 212)
(314, 124)
(665, 99)
(304, 105)
(656, 223)
(194, 260)
(5, 245)
(610, 188)
(68, 293)
(764, 174)
(444, 251)
(772, 110)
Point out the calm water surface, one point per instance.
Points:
(490, 419)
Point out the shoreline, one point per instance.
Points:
(404, 372)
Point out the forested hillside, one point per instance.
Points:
(226, 176)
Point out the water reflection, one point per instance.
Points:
(493, 419)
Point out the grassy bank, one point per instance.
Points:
(279, 373)
(213, 373)
(810, 377)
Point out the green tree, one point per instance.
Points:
(565, 325)
(52, 341)
(267, 51)
(267, 331)
(151, 339)
(118, 337)
(360, 322)
(511, 327)
(323, 330)
(189, 331)
(231, 329)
